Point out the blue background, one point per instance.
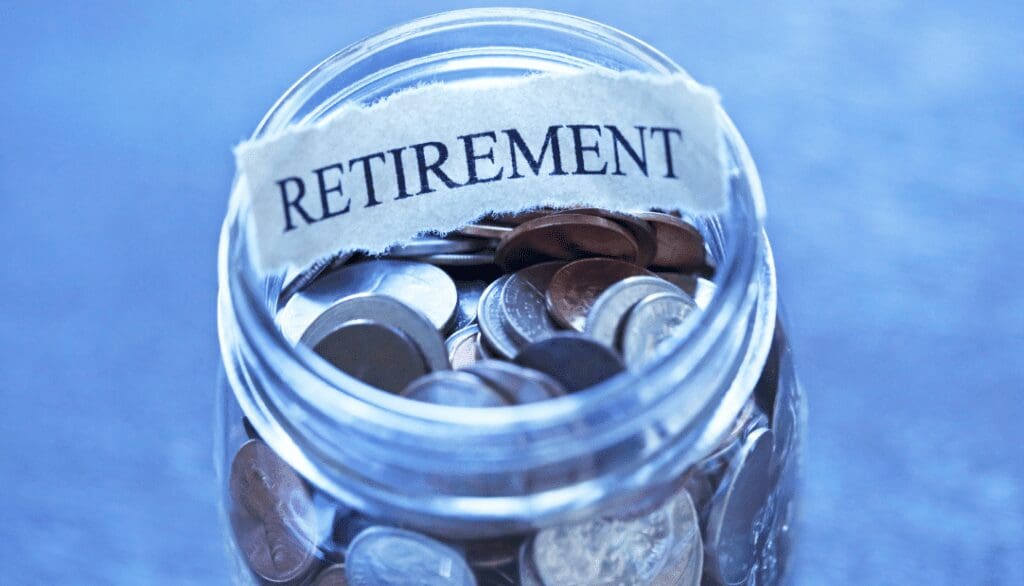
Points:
(890, 138)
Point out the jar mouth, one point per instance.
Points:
(296, 400)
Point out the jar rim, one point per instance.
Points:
(319, 396)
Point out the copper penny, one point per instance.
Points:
(274, 520)
(574, 288)
(565, 237)
(680, 245)
(640, 229)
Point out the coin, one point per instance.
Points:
(377, 354)
(469, 292)
(565, 237)
(482, 230)
(749, 419)
(607, 550)
(331, 576)
(429, 245)
(518, 385)
(524, 306)
(462, 347)
(470, 259)
(731, 532)
(571, 359)
(492, 320)
(611, 307)
(385, 556)
(454, 388)
(274, 520)
(650, 322)
(421, 286)
(680, 245)
(642, 232)
(298, 280)
(573, 289)
(684, 562)
(383, 310)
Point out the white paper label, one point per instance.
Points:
(437, 157)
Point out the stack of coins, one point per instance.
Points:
(507, 311)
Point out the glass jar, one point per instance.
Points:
(681, 473)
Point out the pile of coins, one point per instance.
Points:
(533, 306)
(507, 311)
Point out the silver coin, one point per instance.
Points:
(732, 532)
(384, 556)
(749, 419)
(430, 245)
(492, 320)
(387, 311)
(469, 293)
(377, 354)
(575, 361)
(612, 306)
(524, 303)
(462, 347)
(607, 550)
(454, 388)
(699, 289)
(421, 286)
(650, 322)
(481, 230)
(685, 563)
(517, 384)
(297, 280)
(471, 259)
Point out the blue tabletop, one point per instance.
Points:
(890, 138)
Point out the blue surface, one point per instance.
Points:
(890, 137)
